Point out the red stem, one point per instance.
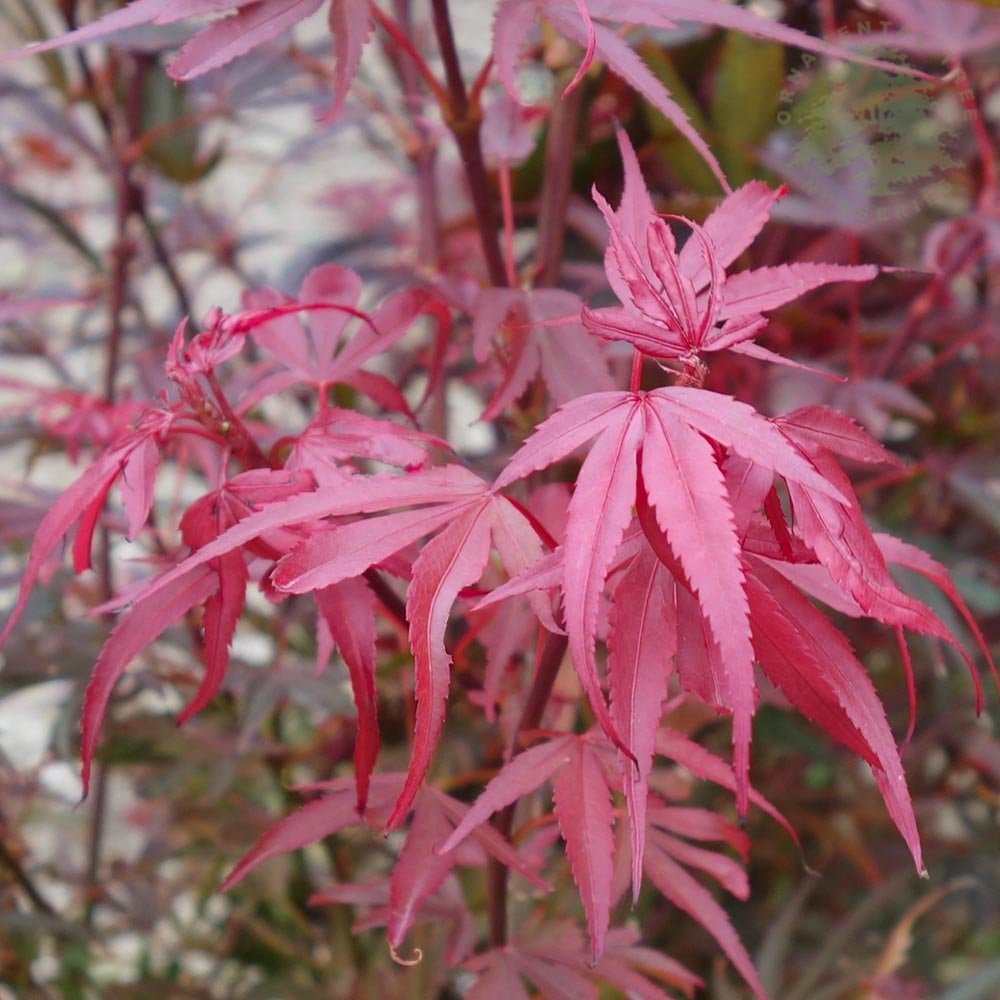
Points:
(423, 152)
(463, 117)
(531, 717)
(564, 118)
(507, 204)
(400, 37)
(635, 382)
(987, 154)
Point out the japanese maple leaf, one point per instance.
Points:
(336, 436)
(466, 518)
(133, 459)
(538, 328)
(220, 585)
(324, 354)
(955, 28)
(465, 525)
(251, 23)
(668, 858)
(661, 450)
(582, 777)
(553, 959)
(682, 304)
(583, 810)
(587, 23)
(418, 872)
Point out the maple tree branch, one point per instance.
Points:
(163, 258)
(921, 306)
(400, 36)
(10, 861)
(564, 118)
(422, 150)
(984, 142)
(125, 199)
(497, 874)
(387, 597)
(136, 201)
(464, 117)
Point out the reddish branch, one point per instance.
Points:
(463, 115)
(538, 697)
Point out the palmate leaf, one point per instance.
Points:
(418, 872)
(455, 558)
(451, 499)
(810, 660)
(679, 305)
(325, 354)
(346, 618)
(642, 641)
(577, 768)
(553, 960)
(583, 811)
(134, 458)
(692, 530)
(131, 635)
(250, 24)
(539, 326)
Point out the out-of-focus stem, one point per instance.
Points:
(987, 153)
(23, 879)
(117, 297)
(538, 697)
(424, 153)
(564, 117)
(635, 382)
(922, 305)
(136, 203)
(464, 117)
(507, 204)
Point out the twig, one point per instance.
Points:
(23, 879)
(464, 117)
(136, 202)
(564, 117)
(387, 597)
(423, 152)
(538, 697)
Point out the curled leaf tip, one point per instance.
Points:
(399, 960)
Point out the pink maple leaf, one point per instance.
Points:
(682, 303)
(133, 459)
(251, 23)
(656, 449)
(466, 519)
(954, 28)
(539, 327)
(418, 872)
(578, 768)
(325, 354)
